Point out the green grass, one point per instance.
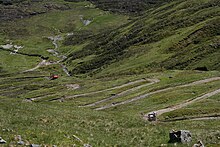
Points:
(178, 35)
(14, 63)
(56, 122)
(203, 108)
(111, 51)
(32, 32)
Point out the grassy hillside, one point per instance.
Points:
(178, 35)
(32, 32)
(113, 68)
(130, 7)
(60, 122)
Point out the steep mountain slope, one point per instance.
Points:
(17, 9)
(33, 33)
(178, 35)
(112, 69)
(131, 7)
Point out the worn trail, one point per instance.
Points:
(42, 63)
(158, 91)
(186, 103)
(152, 81)
(101, 91)
(192, 118)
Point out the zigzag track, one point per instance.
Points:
(210, 117)
(185, 103)
(152, 81)
(158, 91)
(105, 90)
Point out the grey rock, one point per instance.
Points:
(2, 141)
(35, 145)
(199, 144)
(87, 145)
(185, 136)
(182, 136)
(21, 142)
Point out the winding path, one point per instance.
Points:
(186, 103)
(159, 91)
(42, 63)
(100, 91)
(191, 118)
(206, 118)
(152, 81)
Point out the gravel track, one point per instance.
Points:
(152, 81)
(159, 91)
(101, 91)
(186, 103)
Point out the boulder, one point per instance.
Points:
(182, 136)
(19, 139)
(199, 144)
(2, 141)
(35, 145)
(87, 145)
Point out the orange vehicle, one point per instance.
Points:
(53, 77)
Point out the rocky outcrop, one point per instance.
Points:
(2, 141)
(182, 136)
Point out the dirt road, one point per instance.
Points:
(186, 103)
(104, 90)
(191, 118)
(152, 81)
(158, 91)
(42, 63)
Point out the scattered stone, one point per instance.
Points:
(7, 130)
(10, 46)
(29, 100)
(182, 136)
(85, 22)
(199, 144)
(27, 143)
(87, 145)
(35, 145)
(73, 86)
(18, 47)
(20, 141)
(7, 46)
(2, 141)
(69, 34)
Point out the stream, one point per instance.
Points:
(14, 49)
(57, 54)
